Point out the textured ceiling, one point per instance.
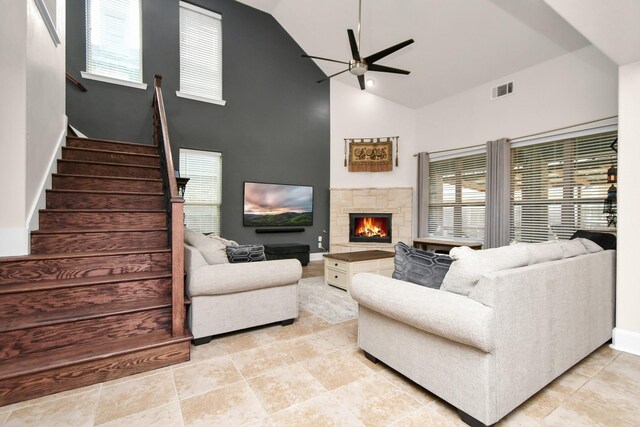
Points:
(459, 44)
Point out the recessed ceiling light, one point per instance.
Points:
(370, 83)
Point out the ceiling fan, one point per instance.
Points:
(359, 65)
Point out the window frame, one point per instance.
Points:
(185, 92)
(458, 228)
(184, 173)
(566, 198)
(93, 74)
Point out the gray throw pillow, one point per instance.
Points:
(245, 253)
(420, 267)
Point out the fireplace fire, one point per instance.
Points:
(370, 227)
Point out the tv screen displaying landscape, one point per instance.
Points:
(277, 205)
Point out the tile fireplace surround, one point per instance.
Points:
(397, 201)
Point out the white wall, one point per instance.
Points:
(46, 123)
(574, 88)
(32, 115)
(360, 114)
(13, 52)
(627, 332)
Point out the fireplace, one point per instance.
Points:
(370, 227)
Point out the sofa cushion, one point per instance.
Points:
(230, 278)
(420, 267)
(604, 240)
(211, 247)
(543, 252)
(468, 265)
(245, 253)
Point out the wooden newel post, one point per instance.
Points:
(177, 267)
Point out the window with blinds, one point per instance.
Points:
(114, 39)
(203, 195)
(200, 54)
(559, 187)
(457, 197)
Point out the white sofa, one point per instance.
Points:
(516, 330)
(227, 297)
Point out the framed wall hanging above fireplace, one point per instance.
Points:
(370, 154)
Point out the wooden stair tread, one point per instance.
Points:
(98, 150)
(111, 141)
(82, 281)
(74, 175)
(105, 230)
(87, 254)
(129, 165)
(86, 313)
(124, 193)
(48, 210)
(72, 355)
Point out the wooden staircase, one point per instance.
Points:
(96, 298)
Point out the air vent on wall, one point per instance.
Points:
(502, 90)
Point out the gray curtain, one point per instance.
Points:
(423, 193)
(498, 198)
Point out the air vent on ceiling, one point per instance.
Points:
(502, 90)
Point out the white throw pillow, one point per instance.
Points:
(469, 265)
(212, 249)
(222, 240)
(571, 248)
(590, 245)
(544, 252)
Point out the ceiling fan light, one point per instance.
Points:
(357, 68)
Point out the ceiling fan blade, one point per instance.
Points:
(383, 69)
(361, 81)
(333, 75)
(324, 59)
(385, 52)
(355, 54)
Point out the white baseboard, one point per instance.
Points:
(627, 341)
(45, 183)
(316, 256)
(14, 241)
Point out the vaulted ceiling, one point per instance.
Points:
(459, 44)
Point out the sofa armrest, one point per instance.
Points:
(220, 279)
(442, 313)
(192, 258)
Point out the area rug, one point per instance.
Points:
(330, 304)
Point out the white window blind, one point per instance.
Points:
(457, 197)
(203, 195)
(200, 53)
(114, 39)
(559, 187)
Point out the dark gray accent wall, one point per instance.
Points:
(274, 127)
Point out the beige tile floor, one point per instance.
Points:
(312, 374)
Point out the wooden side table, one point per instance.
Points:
(340, 268)
(443, 243)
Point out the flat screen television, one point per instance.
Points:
(277, 205)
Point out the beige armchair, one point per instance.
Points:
(227, 297)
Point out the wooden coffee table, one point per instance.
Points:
(339, 268)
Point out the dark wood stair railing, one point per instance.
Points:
(175, 209)
(75, 82)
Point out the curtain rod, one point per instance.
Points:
(562, 128)
(380, 137)
(522, 137)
